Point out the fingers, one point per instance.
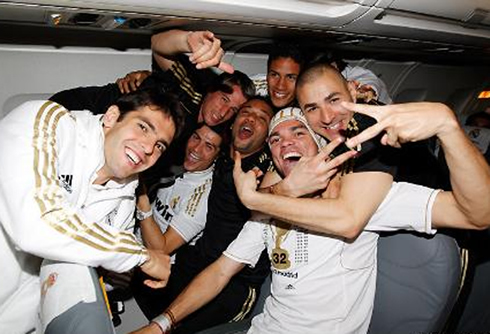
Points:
(325, 151)
(366, 109)
(214, 61)
(210, 53)
(134, 84)
(123, 85)
(128, 84)
(391, 138)
(340, 159)
(237, 169)
(258, 173)
(155, 284)
(365, 135)
(225, 67)
(208, 49)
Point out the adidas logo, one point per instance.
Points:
(66, 181)
(290, 287)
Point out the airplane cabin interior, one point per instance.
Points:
(435, 51)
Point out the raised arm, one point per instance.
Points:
(359, 197)
(468, 205)
(204, 47)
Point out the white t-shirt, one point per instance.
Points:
(184, 205)
(323, 284)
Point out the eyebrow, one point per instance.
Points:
(328, 97)
(293, 128)
(210, 143)
(152, 127)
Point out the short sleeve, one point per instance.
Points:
(406, 207)
(249, 244)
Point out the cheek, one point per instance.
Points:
(271, 82)
(292, 87)
(276, 159)
(312, 118)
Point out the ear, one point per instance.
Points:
(352, 87)
(111, 116)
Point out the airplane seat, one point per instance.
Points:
(410, 95)
(474, 313)
(16, 100)
(417, 284)
(242, 326)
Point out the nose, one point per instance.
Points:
(327, 115)
(223, 111)
(286, 141)
(199, 147)
(148, 144)
(281, 82)
(251, 118)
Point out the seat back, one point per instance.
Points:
(417, 284)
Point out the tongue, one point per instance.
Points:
(244, 133)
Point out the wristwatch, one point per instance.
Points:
(142, 215)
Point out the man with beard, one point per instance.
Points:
(329, 280)
(225, 218)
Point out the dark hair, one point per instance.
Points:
(472, 119)
(313, 70)
(153, 97)
(327, 57)
(225, 82)
(221, 129)
(281, 50)
(265, 99)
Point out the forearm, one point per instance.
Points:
(170, 43)
(345, 216)
(469, 176)
(153, 237)
(329, 216)
(204, 288)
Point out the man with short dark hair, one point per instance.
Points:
(284, 63)
(178, 213)
(328, 278)
(67, 186)
(225, 218)
(204, 95)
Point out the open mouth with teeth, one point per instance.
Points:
(245, 132)
(132, 156)
(292, 156)
(289, 160)
(192, 157)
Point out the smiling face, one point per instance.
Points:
(135, 142)
(281, 81)
(218, 107)
(289, 141)
(319, 97)
(250, 127)
(201, 150)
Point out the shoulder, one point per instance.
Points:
(40, 115)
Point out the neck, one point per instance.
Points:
(102, 177)
(243, 155)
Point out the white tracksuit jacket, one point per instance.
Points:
(49, 207)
